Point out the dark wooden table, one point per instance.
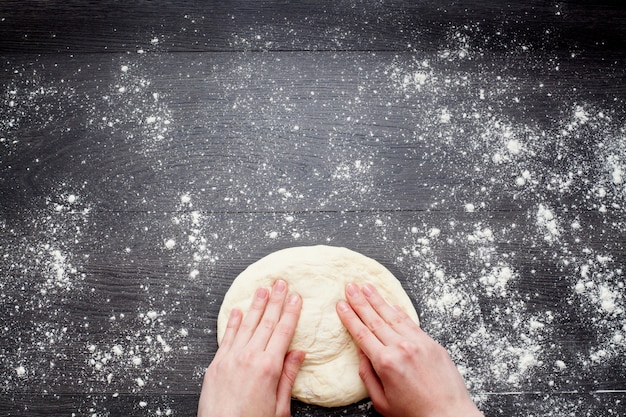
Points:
(151, 150)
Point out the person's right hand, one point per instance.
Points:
(406, 373)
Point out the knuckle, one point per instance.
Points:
(282, 329)
(408, 349)
(267, 366)
(290, 376)
(364, 374)
(387, 361)
(246, 327)
(398, 319)
(376, 323)
(247, 357)
(267, 323)
(361, 335)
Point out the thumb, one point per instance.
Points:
(293, 361)
(373, 384)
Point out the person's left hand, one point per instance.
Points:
(252, 374)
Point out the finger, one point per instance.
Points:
(408, 320)
(251, 320)
(283, 332)
(393, 316)
(369, 316)
(234, 321)
(292, 364)
(271, 316)
(373, 384)
(362, 335)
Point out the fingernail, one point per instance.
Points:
(368, 290)
(352, 289)
(343, 306)
(293, 299)
(261, 293)
(280, 286)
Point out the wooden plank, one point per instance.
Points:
(310, 131)
(36, 404)
(112, 26)
(475, 149)
(596, 404)
(110, 296)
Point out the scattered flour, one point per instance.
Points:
(514, 147)
(547, 223)
(496, 280)
(474, 276)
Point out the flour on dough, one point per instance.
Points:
(329, 375)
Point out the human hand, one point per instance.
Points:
(252, 374)
(406, 373)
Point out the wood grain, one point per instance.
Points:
(151, 150)
(112, 26)
(233, 140)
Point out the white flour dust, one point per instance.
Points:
(505, 347)
(507, 233)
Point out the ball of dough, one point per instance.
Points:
(329, 375)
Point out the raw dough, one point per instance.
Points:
(329, 375)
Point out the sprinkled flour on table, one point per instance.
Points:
(515, 237)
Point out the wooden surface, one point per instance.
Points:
(477, 150)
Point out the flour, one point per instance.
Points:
(496, 280)
(141, 353)
(547, 222)
(497, 290)
(607, 299)
(617, 176)
(132, 102)
(513, 162)
(513, 146)
(117, 350)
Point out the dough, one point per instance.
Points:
(330, 373)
